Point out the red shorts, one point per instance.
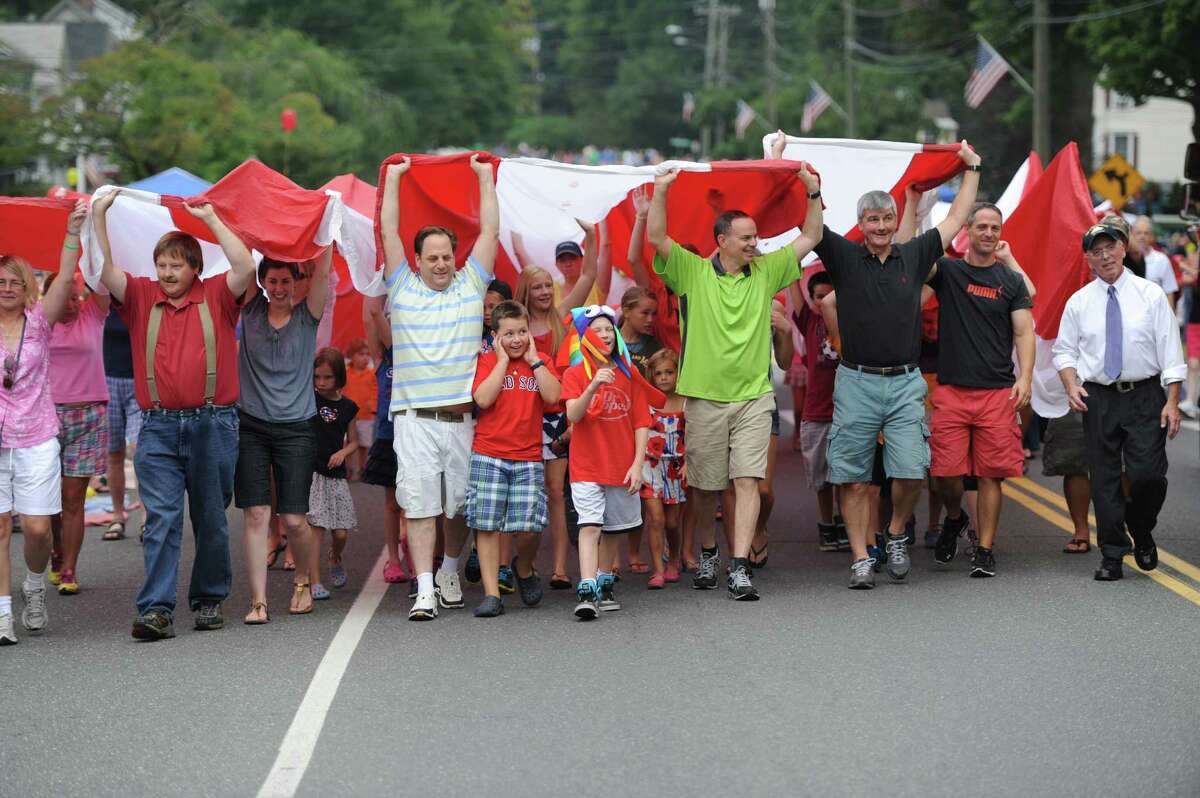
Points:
(1193, 341)
(974, 431)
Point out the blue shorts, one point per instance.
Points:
(506, 495)
(865, 405)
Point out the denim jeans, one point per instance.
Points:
(190, 452)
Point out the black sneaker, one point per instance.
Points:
(947, 543)
(153, 624)
(880, 552)
(983, 563)
(910, 530)
(740, 588)
(471, 571)
(827, 537)
(208, 617)
(706, 574)
(587, 609)
(530, 587)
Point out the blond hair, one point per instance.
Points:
(558, 330)
(19, 267)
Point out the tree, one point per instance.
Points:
(1151, 53)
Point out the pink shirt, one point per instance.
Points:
(27, 415)
(77, 358)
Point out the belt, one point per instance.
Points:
(1124, 386)
(882, 371)
(186, 412)
(439, 415)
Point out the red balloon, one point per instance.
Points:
(287, 120)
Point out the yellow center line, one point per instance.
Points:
(1165, 557)
(1064, 523)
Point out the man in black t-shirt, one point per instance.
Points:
(879, 387)
(984, 307)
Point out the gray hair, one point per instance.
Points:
(983, 206)
(875, 201)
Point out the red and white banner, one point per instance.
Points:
(32, 228)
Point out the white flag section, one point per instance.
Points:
(356, 243)
(1008, 202)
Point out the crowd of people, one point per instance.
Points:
(492, 413)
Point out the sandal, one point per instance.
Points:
(274, 554)
(115, 531)
(1077, 546)
(289, 565)
(255, 606)
(301, 591)
(560, 582)
(639, 568)
(754, 561)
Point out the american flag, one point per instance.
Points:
(989, 68)
(814, 105)
(745, 115)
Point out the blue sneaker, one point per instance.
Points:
(587, 609)
(319, 593)
(471, 571)
(608, 602)
(508, 580)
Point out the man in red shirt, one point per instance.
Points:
(513, 384)
(186, 388)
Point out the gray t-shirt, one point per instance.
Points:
(275, 366)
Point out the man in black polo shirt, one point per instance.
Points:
(984, 304)
(879, 386)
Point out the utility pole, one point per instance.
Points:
(1041, 79)
(848, 55)
(768, 9)
(710, 59)
(724, 14)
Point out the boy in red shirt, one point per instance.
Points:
(608, 405)
(507, 494)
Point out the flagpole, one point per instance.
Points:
(1024, 84)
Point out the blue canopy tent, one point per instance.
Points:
(179, 182)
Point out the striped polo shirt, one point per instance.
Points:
(435, 336)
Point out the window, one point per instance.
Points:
(1125, 145)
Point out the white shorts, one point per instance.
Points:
(609, 507)
(433, 464)
(31, 479)
(364, 430)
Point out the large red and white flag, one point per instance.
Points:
(1018, 188)
(358, 201)
(32, 228)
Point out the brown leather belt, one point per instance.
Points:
(882, 371)
(441, 415)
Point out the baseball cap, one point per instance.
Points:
(567, 248)
(500, 287)
(1103, 229)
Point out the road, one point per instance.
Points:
(1038, 682)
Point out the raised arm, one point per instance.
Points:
(637, 265)
(484, 251)
(964, 199)
(389, 217)
(587, 274)
(523, 259)
(908, 220)
(604, 268)
(318, 286)
(376, 326)
(1005, 256)
(656, 220)
(814, 219)
(777, 145)
(241, 262)
(55, 300)
(113, 278)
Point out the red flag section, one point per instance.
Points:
(33, 228)
(358, 195)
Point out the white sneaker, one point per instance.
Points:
(33, 617)
(7, 636)
(449, 592)
(1188, 408)
(424, 608)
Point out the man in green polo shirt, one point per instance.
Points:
(725, 364)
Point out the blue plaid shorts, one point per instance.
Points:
(506, 495)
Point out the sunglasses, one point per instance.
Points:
(10, 368)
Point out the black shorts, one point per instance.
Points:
(381, 464)
(285, 451)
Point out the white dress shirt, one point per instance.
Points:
(1159, 270)
(1149, 333)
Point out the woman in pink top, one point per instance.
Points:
(80, 394)
(29, 467)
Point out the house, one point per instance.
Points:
(1152, 136)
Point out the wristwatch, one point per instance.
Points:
(974, 168)
(815, 194)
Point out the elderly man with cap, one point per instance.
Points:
(1119, 359)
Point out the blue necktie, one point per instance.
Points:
(1112, 335)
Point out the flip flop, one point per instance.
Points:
(274, 555)
(1076, 546)
(560, 582)
(115, 531)
(639, 568)
(756, 563)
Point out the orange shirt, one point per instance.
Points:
(361, 389)
(602, 443)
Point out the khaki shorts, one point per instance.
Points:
(433, 464)
(814, 442)
(727, 440)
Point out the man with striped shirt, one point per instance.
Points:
(437, 321)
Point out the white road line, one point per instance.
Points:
(296, 750)
(1194, 426)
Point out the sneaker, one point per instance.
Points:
(425, 608)
(153, 624)
(490, 607)
(530, 587)
(931, 535)
(337, 575)
(739, 585)
(68, 585)
(208, 617)
(508, 580)
(827, 537)
(608, 602)
(394, 573)
(971, 543)
(656, 582)
(471, 571)
(983, 564)
(898, 562)
(319, 592)
(862, 574)
(33, 617)
(449, 592)
(587, 609)
(54, 572)
(946, 546)
(7, 636)
(706, 573)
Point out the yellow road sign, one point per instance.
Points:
(1116, 180)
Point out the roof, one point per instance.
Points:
(174, 181)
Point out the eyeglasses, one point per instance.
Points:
(15, 283)
(10, 368)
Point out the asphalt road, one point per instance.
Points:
(1038, 682)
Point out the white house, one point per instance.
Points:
(1151, 136)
